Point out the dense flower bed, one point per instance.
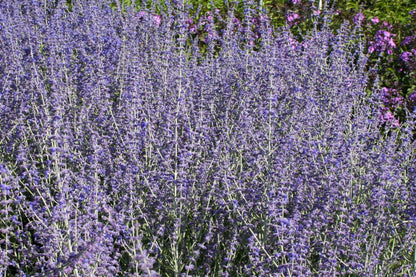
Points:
(129, 147)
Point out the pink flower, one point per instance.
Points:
(386, 34)
(292, 16)
(375, 20)
(157, 19)
(296, 2)
(391, 43)
(388, 118)
(384, 91)
(293, 43)
(371, 49)
(386, 24)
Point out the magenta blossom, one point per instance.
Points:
(375, 20)
(157, 19)
(388, 25)
(383, 42)
(371, 49)
(292, 16)
(293, 43)
(388, 118)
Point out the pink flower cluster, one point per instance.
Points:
(292, 16)
(383, 42)
(375, 20)
(388, 118)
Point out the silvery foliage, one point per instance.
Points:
(127, 150)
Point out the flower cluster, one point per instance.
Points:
(125, 150)
(383, 42)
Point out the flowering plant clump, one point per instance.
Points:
(391, 48)
(126, 150)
